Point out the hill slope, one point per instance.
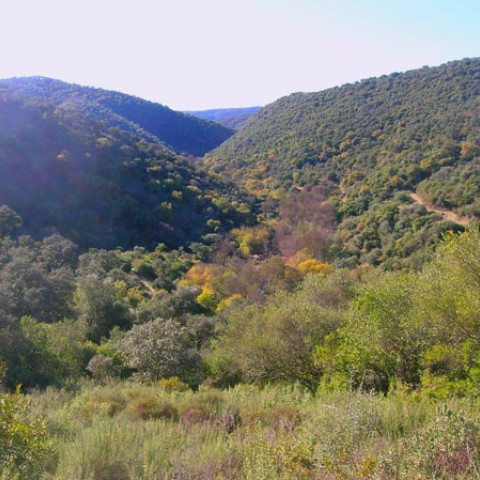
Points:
(153, 122)
(367, 142)
(101, 186)
(390, 123)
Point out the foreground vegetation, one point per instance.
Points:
(123, 431)
(352, 375)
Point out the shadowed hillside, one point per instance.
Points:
(101, 186)
(150, 121)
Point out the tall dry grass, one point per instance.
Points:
(123, 431)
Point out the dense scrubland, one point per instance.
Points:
(353, 374)
(281, 309)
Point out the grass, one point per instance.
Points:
(124, 431)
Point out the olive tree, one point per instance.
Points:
(160, 349)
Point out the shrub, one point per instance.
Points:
(149, 408)
(102, 367)
(448, 448)
(160, 349)
(99, 403)
(23, 440)
(282, 457)
(173, 384)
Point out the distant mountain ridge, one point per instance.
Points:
(153, 122)
(234, 118)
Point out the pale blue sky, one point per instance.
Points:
(199, 54)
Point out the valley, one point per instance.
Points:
(292, 294)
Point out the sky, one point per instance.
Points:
(202, 54)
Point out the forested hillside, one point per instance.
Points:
(164, 323)
(366, 143)
(150, 121)
(382, 127)
(63, 171)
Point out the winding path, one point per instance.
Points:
(148, 286)
(447, 214)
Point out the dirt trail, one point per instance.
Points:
(447, 214)
(148, 286)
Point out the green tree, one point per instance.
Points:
(449, 290)
(23, 440)
(448, 306)
(161, 349)
(37, 279)
(381, 342)
(99, 307)
(276, 341)
(10, 221)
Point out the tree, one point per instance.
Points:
(23, 440)
(37, 281)
(17, 354)
(161, 349)
(99, 307)
(57, 251)
(384, 322)
(175, 305)
(448, 306)
(10, 221)
(449, 292)
(276, 341)
(380, 341)
(39, 354)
